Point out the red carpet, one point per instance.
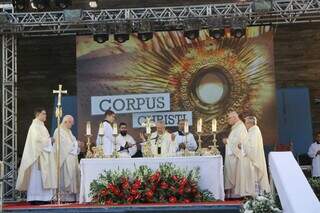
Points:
(24, 205)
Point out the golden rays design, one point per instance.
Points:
(172, 63)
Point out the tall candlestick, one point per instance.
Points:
(88, 128)
(114, 129)
(214, 125)
(101, 130)
(186, 127)
(199, 125)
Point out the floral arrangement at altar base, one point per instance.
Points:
(168, 184)
(261, 204)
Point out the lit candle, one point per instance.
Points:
(148, 129)
(186, 127)
(115, 129)
(214, 125)
(88, 128)
(101, 129)
(199, 125)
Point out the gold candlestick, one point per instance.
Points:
(199, 150)
(115, 154)
(89, 153)
(146, 151)
(214, 149)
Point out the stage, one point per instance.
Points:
(230, 206)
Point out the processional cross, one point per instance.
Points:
(58, 116)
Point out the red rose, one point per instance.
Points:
(175, 178)
(108, 202)
(194, 190)
(104, 192)
(149, 194)
(183, 181)
(180, 191)
(111, 186)
(134, 191)
(164, 185)
(187, 189)
(172, 199)
(125, 185)
(154, 187)
(130, 199)
(187, 200)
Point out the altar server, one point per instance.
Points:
(126, 145)
(107, 139)
(183, 138)
(314, 153)
(37, 172)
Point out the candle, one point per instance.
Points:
(199, 125)
(186, 127)
(88, 128)
(148, 129)
(101, 129)
(214, 125)
(115, 129)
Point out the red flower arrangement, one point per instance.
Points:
(167, 184)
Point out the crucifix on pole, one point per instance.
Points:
(58, 116)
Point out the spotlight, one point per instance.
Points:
(122, 31)
(191, 29)
(20, 4)
(216, 29)
(63, 4)
(145, 30)
(101, 38)
(121, 38)
(238, 27)
(238, 33)
(40, 4)
(93, 4)
(216, 33)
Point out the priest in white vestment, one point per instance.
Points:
(252, 168)
(125, 144)
(233, 153)
(69, 165)
(183, 140)
(162, 144)
(314, 153)
(107, 139)
(37, 172)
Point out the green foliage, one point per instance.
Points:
(260, 204)
(143, 185)
(315, 184)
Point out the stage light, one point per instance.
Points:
(191, 29)
(20, 4)
(216, 33)
(145, 30)
(238, 27)
(215, 26)
(93, 4)
(63, 4)
(40, 4)
(122, 31)
(100, 38)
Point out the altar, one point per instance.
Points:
(211, 171)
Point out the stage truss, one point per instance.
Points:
(87, 22)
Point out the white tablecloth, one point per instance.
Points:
(295, 193)
(211, 171)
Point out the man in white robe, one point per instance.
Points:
(125, 144)
(252, 169)
(107, 139)
(69, 165)
(37, 172)
(183, 140)
(233, 153)
(162, 144)
(314, 153)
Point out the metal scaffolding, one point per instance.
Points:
(9, 114)
(163, 18)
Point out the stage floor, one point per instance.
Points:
(231, 206)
